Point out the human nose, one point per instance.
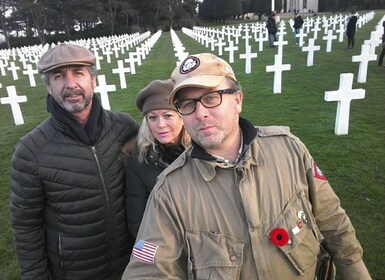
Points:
(200, 109)
(161, 122)
(70, 80)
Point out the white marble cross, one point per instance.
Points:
(13, 68)
(107, 52)
(220, 44)
(231, 48)
(30, 72)
(248, 55)
(236, 35)
(212, 44)
(315, 29)
(133, 57)
(301, 35)
(374, 41)
(341, 32)
(140, 54)
(247, 36)
(311, 48)
(121, 70)
(325, 25)
(115, 48)
(344, 95)
(13, 99)
(262, 37)
(277, 68)
(280, 43)
(23, 60)
(363, 59)
(329, 39)
(3, 64)
(98, 58)
(104, 89)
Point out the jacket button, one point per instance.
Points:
(233, 258)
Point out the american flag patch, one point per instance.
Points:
(145, 251)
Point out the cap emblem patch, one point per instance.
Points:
(189, 64)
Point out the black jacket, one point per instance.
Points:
(271, 25)
(141, 178)
(67, 200)
(298, 22)
(351, 26)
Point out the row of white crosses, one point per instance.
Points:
(344, 95)
(179, 49)
(225, 38)
(103, 48)
(134, 57)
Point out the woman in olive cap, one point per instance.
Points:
(161, 139)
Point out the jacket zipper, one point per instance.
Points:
(109, 218)
(60, 252)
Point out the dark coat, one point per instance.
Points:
(67, 201)
(271, 25)
(298, 22)
(351, 26)
(141, 178)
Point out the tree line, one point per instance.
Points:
(26, 22)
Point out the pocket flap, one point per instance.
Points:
(213, 249)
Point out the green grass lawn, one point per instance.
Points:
(354, 163)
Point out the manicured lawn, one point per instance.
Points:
(354, 164)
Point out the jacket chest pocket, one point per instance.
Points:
(298, 222)
(213, 256)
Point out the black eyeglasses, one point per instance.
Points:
(209, 100)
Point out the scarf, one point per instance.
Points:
(88, 134)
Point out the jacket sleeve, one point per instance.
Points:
(27, 214)
(136, 196)
(338, 232)
(160, 227)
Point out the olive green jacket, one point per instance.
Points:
(214, 220)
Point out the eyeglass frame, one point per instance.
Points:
(196, 100)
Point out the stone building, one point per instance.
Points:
(303, 6)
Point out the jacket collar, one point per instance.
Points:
(89, 134)
(251, 153)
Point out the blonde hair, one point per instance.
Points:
(146, 140)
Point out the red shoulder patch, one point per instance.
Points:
(317, 173)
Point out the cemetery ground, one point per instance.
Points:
(354, 163)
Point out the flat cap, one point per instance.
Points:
(63, 55)
(154, 96)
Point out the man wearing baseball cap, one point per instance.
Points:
(243, 202)
(67, 187)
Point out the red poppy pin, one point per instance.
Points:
(279, 237)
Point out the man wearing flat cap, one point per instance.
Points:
(67, 187)
(243, 202)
